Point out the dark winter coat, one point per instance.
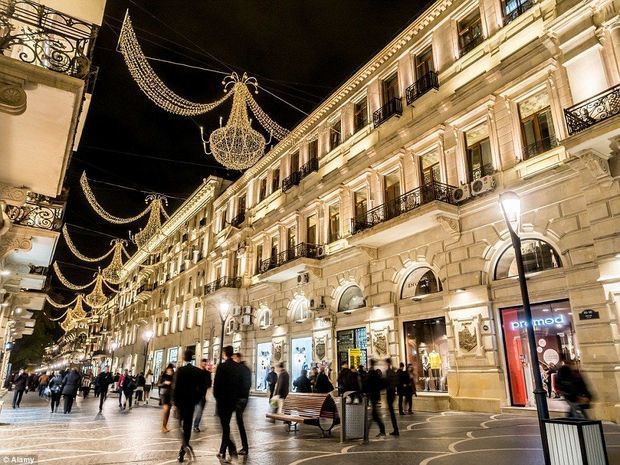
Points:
(21, 382)
(323, 385)
(282, 386)
(71, 383)
(302, 384)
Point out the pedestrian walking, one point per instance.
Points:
(403, 383)
(43, 382)
(103, 381)
(165, 395)
(55, 387)
(20, 382)
(200, 406)
(343, 377)
(323, 385)
(140, 383)
(374, 385)
(282, 386)
(188, 389)
(119, 388)
(271, 380)
(226, 389)
(410, 390)
(572, 386)
(86, 382)
(70, 386)
(242, 402)
(128, 386)
(148, 384)
(391, 384)
(302, 384)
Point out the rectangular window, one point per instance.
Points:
(294, 162)
(424, 63)
(335, 134)
(291, 241)
(274, 246)
(361, 203)
(427, 350)
(390, 88)
(259, 257)
(223, 219)
(275, 179)
(360, 114)
(392, 195)
(515, 8)
(241, 204)
(537, 130)
(470, 32)
(334, 222)
(313, 149)
(430, 168)
(262, 189)
(311, 229)
(479, 159)
(236, 267)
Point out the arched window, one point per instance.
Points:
(301, 310)
(538, 255)
(264, 321)
(351, 299)
(421, 281)
(231, 326)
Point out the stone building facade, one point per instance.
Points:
(374, 229)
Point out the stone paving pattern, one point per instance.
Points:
(134, 437)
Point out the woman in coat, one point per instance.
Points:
(55, 387)
(165, 395)
(70, 386)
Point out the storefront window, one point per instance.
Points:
(351, 344)
(173, 355)
(555, 343)
(301, 356)
(427, 350)
(351, 299)
(537, 256)
(419, 282)
(263, 365)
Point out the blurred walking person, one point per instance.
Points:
(165, 395)
(323, 385)
(103, 381)
(86, 381)
(70, 385)
(43, 382)
(226, 389)
(282, 386)
(55, 385)
(188, 389)
(206, 385)
(572, 386)
(148, 385)
(140, 383)
(391, 383)
(242, 402)
(272, 379)
(303, 384)
(374, 385)
(21, 383)
(410, 389)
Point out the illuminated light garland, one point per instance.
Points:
(68, 283)
(53, 303)
(97, 298)
(77, 253)
(59, 318)
(265, 121)
(153, 225)
(113, 272)
(152, 86)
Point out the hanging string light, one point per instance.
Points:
(53, 303)
(97, 298)
(67, 283)
(153, 225)
(113, 272)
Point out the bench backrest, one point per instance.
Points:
(310, 405)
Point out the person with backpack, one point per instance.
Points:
(55, 387)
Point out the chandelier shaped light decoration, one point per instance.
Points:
(96, 298)
(155, 209)
(236, 145)
(72, 316)
(112, 272)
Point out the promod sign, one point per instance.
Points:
(539, 322)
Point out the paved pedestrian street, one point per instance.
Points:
(134, 436)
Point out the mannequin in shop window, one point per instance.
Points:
(426, 369)
(435, 362)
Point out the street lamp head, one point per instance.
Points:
(114, 346)
(224, 307)
(510, 204)
(148, 335)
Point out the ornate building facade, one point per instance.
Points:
(374, 229)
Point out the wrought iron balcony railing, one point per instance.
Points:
(539, 146)
(598, 108)
(39, 270)
(422, 86)
(472, 44)
(406, 202)
(393, 107)
(522, 7)
(238, 220)
(295, 178)
(33, 33)
(481, 171)
(302, 249)
(224, 281)
(38, 212)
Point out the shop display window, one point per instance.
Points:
(350, 340)
(301, 356)
(263, 365)
(555, 343)
(427, 350)
(419, 282)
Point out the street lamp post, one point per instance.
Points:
(147, 336)
(224, 307)
(511, 209)
(113, 347)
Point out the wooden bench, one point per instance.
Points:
(310, 409)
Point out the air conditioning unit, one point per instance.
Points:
(247, 310)
(303, 278)
(246, 320)
(461, 193)
(237, 310)
(482, 185)
(321, 251)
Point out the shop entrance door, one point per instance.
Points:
(351, 339)
(555, 343)
(301, 356)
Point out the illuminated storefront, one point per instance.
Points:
(427, 350)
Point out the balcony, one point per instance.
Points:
(295, 178)
(522, 7)
(238, 220)
(223, 282)
(288, 263)
(39, 212)
(594, 110)
(422, 86)
(539, 146)
(412, 212)
(36, 34)
(393, 107)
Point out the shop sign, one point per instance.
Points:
(552, 321)
(589, 314)
(355, 357)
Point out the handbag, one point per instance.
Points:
(47, 391)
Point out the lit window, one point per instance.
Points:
(470, 32)
(334, 222)
(265, 319)
(537, 130)
(537, 256)
(421, 281)
(479, 159)
(335, 135)
(360, 114)
(301, 311)
(351, 299)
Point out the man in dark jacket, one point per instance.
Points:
(404, 383)
(343, 377)
(282, 386)
(226, 390)
(302, 383)
(103, 381)
(200, 406)
(188, 388)
(391, 379)
(21, 382)
(272, 379)
(322, 384)
(374, 386)
(242, 402)
(70, 385)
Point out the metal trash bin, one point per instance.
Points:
(575, 442)
(353, 418)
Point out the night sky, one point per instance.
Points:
(299, 50)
